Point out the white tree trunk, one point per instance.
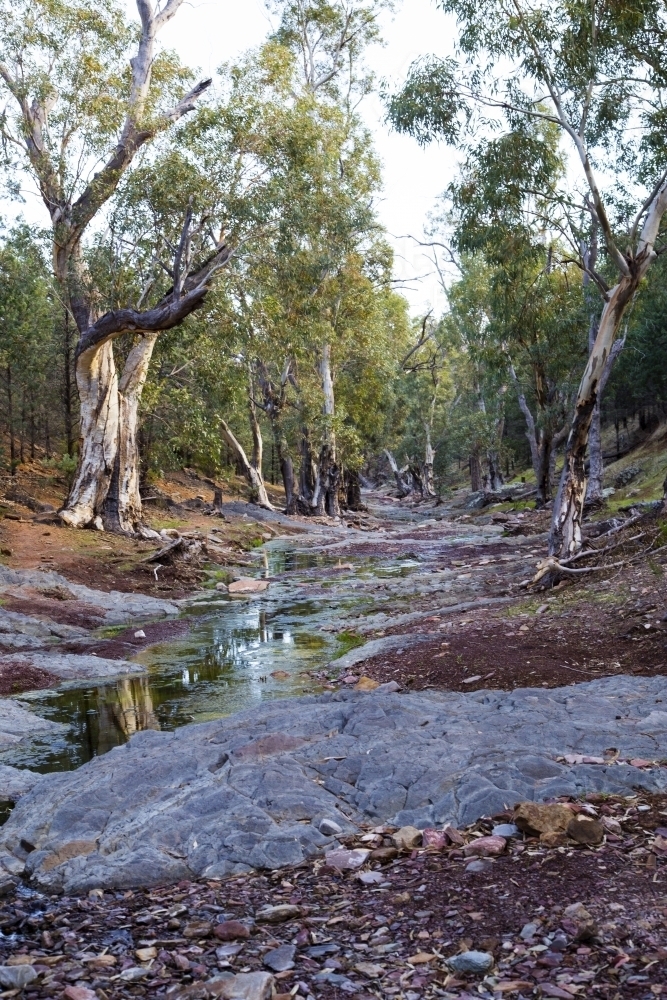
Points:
(122, 506)
(568, 512)
(325, 500)
(596, 466)
(97, 383)
(429, 461)
(254, 476)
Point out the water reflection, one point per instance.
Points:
(125, 710)
(235, 655)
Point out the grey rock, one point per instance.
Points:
(374, 648)
(480, 865)
(160, 809)
(133, 974)
(248, 986)
(529, 931)
(280, 959)
(327, 827)
(73, 666)
(322, 950)
(15, 782)
(389, 688)
(17, 723)
(471, 962)
(116, 607)
(15, 977)
(506, 830)
(278, 914)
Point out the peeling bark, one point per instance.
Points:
(427, 469)
(122, 505)
(97, 383)
(401, 485)
(476, 483)
(565, 537)
(596, 462)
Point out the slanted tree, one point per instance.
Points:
(597, 73)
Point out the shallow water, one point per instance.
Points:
(238, 652)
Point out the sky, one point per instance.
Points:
(206, 33)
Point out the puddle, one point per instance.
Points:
(238, 654)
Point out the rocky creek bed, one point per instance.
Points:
(422, 598)
(253, 790)
(568, 922)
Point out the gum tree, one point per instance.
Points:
(85, 92)
(596, 71)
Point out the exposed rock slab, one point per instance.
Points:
(253, 789)
(15, 782)
(116, 607)
(73, 666)
(17, 723)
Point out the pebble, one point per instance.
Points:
(321, 950)
(506, 830)
(345, 860)
(15, 977)
(197, 929)
(280, 959)
(369, 970)
(407, 838)
(140, 634)
(231, 930)
(133, 974)
(390, 687)
(483, 865)
(485, 847)
(278, 914)
(248, 585)
(79, 993)
(371, 878)
(435, 839)
(478, 962)
(248, 986)
(329, 828)
(529, 931)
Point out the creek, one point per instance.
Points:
(238, 652)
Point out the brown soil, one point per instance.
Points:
(576, 636)
(427, 903)
(17, 676)
(108, 562)
(125, 644)
(64, 612)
